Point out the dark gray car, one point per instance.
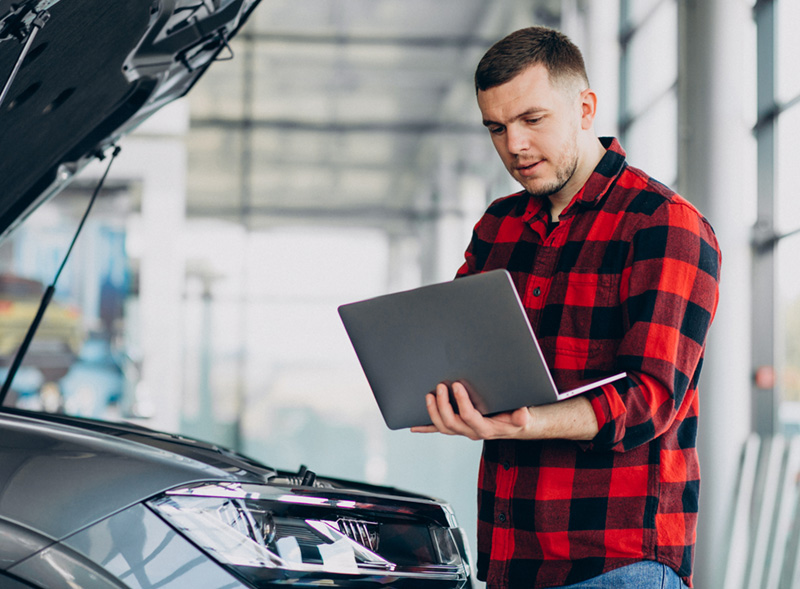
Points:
(91, 504)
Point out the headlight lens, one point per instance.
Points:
(229, 529)
(281, 533)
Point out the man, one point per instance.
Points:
(617, 273)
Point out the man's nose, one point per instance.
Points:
(516, 140)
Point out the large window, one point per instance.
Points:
(778, 235)
(648, 97)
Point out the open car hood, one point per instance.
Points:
(94, 70)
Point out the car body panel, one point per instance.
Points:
(8, 582)
(58, 479)
(137, 546)
(58, 567)
(18, 543)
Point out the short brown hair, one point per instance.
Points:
(527, 47)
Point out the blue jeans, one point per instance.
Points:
(647, 574)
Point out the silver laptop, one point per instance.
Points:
(473, 330)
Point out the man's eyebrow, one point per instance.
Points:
(536, 110)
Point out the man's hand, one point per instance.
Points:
(572, 419)
(468, 421)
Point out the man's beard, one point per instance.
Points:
(563, 175)
(564, 171)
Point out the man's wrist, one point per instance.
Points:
(572, 419)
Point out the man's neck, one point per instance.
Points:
(593, 153)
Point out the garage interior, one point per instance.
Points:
(336, 152)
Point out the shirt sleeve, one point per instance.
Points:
(669, 295)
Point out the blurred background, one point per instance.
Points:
(339, 154)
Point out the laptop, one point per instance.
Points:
(473, 330)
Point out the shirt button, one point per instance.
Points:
(537, 291)
(502, 518)
(506, 465)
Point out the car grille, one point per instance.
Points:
(363, 532)
(297, 481)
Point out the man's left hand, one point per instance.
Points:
(571, 419)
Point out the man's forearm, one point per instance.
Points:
(571, 419)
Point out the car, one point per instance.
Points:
(91, 504)
(94, 504)
(60, 334)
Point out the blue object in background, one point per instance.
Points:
(95, 383)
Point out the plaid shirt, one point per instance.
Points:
(627, 281)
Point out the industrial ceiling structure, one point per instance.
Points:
(348, 110)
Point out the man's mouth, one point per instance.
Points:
(528, 169)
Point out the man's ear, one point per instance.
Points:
(588, 105)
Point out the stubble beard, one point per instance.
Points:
(564, 171)
(563, 176)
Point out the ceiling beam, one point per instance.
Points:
(458, 42)
(392, 127)
(362, 213)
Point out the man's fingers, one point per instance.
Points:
(444, 417)
(466, 410)
(467, 421)
(424, 429)
(457, 422)
(472, 420)
(443, 401)
(436, 408)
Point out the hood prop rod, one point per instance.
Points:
(38, 23)
(48, 293)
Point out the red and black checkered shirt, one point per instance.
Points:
(627, 281)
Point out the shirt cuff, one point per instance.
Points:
(607, 406)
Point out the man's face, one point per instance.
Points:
(534, 127)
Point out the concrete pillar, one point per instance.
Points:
(154, 160)
(716, 172)
(161, 167)
(601, 52)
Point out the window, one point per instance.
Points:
(648, 95)
(777, 133)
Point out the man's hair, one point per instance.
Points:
(527, 47)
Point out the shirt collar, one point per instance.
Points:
(604, 174)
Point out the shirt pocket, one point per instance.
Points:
(582, 314)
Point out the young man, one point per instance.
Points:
(617, 273)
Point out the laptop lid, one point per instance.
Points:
(473, 330)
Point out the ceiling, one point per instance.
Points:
(349, 110)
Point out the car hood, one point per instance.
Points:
(93, 71)
(60, 474)
(58, 478)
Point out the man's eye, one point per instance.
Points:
(496, 130)
(533, 121)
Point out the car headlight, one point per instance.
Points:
(267, 534)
